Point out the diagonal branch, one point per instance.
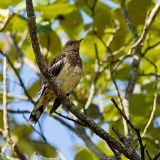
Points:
(148, 24)
(155, 97)
(142, 147)
(80, 132)
(17, 74)
(128, 20)
(65, 100)
(6, 132)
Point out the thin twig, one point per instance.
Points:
(6, 132)
(17, 111)
(150, 47)
(142, 147)
(96, 75)
(80, 132)
(17, 74)
(10, 95)
(155, 97)
(65, 100)
(128, 20)
(5, 113)
(134, 65)
(157, 156)
(36, 131)
(148, 155)
(148, 24)
(7, 22)
(70, 119)
(149, 74)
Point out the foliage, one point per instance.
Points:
(103, 26)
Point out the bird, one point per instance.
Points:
(66, 71)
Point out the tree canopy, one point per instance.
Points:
(120, 53)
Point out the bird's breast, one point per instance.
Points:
(68, 77)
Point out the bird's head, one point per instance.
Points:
(72, 46)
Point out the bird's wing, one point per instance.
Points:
(54, 68)
(57, 64)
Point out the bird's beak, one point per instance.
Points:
(81, 40)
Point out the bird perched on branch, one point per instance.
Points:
(66, 70)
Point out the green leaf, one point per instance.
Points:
(16, 24)
(104, 148)
(51, 44)
(110, 112)
(93, 111)
(43, 27)
(123, 72)
(137, 10)
(54, 10)
(102, 14)
(72, 24)
(7, 3)
(83, 154)
(102, 17)
(88, 46)
(33, 90)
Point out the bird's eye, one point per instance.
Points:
(70, 43)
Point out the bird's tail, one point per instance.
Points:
(40, 106)
(36, 113)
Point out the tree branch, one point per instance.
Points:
(155, 97)
(142, 147)
(65, 100)
(80, 132)
(128, 20)
(17, 74)
(6, 133)
(34, 40)
(148, 24)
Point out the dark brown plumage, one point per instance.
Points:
(66, 70)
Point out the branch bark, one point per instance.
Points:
(66, 101)
(80, 132)
(137, 50)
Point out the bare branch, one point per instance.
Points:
(155, 98)
(150, 47)
(157, 156)
(70, 119)
(134, 65)
(6, 133)
(148, 24)
(149, 74)
(96, 75)
(17, 111)
(5, 114)
(7, 22)
(127, 19)
(17, 74)
(142, 147)
(65, 100)
(10, 95)
(149, 157)
(79, 131)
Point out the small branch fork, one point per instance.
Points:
(155, 97)
(66, 101)
(142, 147)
